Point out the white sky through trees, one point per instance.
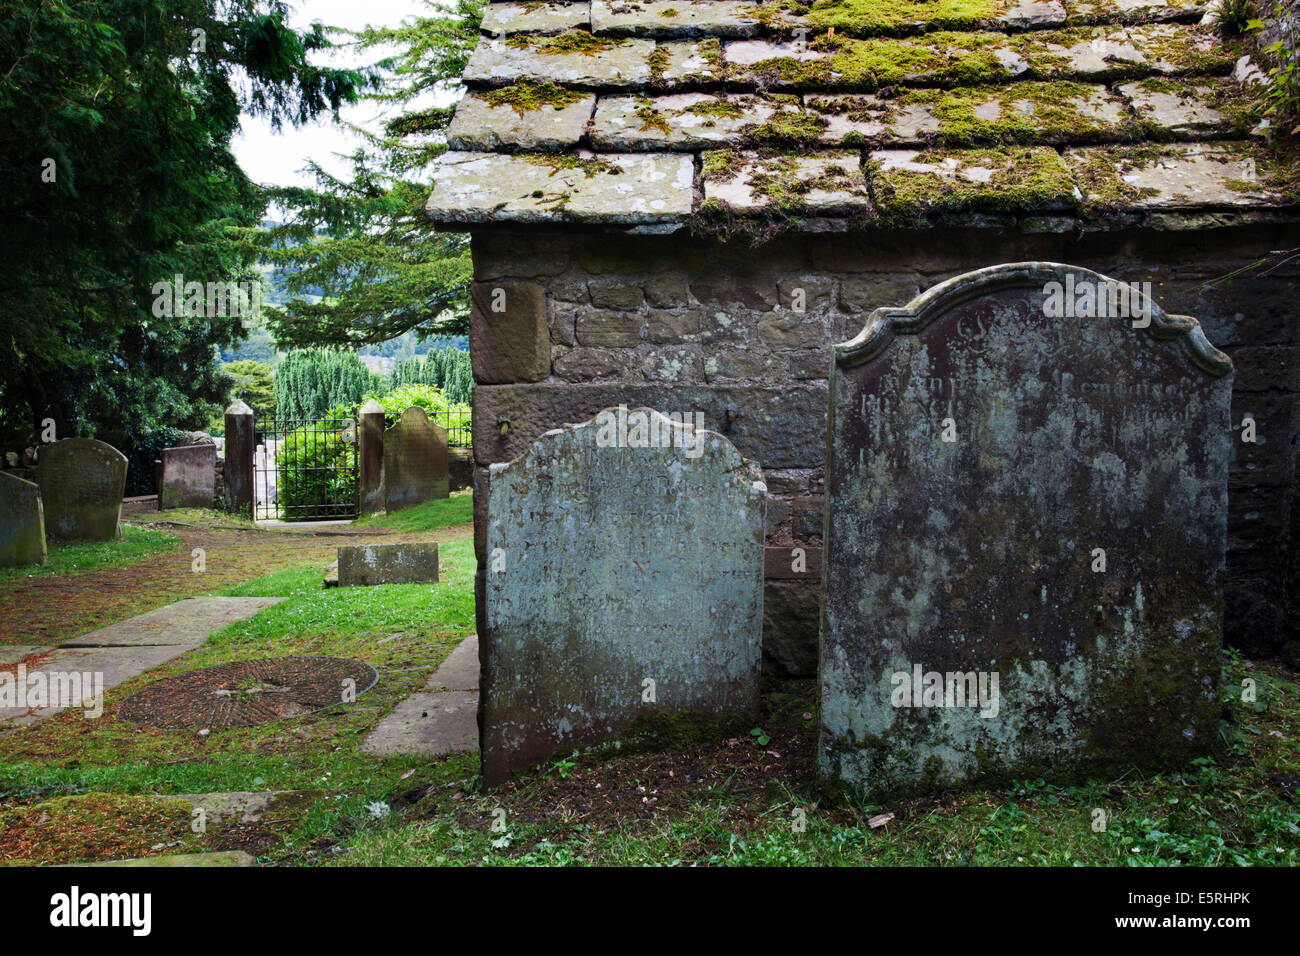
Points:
(278, 158)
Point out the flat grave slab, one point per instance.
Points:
(184, 622)
(431, 724)
(460, 670)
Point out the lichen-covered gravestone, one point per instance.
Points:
(189, 477)
(82, 481)
(1025, 535)
(415, 461)
(623, 587)
(22, 523)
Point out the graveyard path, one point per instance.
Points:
(48, 610)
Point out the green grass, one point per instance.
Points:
(426, 516)
(404, 631)
(289, 582)
(1237, 808)
(1240, 807)
(78, 557)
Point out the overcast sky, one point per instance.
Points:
(278, 157)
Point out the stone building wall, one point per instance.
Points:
(565, 324)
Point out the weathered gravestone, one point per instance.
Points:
(415, 461)
(189, 477)
(411, 562)
(1026, 529)
(22, 523)
(82, 481)
(623, 584)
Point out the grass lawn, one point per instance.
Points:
(73, 788)
(430, 515)
(737, 803)
(405, 631)
(74, 557)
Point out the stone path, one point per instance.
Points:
(441, 719)
(222, 858)
(76, 672)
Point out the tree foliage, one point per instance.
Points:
(254, 384)
(311, 382)
(115, 124)
(449, 369)
(365, 244)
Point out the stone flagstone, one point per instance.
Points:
(440, 720)
(220, 858)
(185, 622)
(460, 670)
(89, 670)
(1026, 535)
(431, 724)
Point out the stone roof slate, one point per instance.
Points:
(856, 113)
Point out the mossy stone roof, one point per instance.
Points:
(1056, 114)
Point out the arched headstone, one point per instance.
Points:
(82, 481)
(623, 580)
(1025, 534)
(415, 461)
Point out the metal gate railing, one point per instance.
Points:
(305, 469)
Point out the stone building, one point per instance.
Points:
(684, 203)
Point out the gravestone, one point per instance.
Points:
(82, 481)
(623, 582)
(410, 562)
(1026, 531)
(415, 461)
(189, 477)
(22, 523)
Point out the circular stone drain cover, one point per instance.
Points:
(244, 693)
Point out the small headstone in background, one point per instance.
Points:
(415, 461)
(189, 476)
(82, 481)
(1026, 536)
(22, 523)
(623, 580)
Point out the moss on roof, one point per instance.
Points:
(956, 108)
(943, 182)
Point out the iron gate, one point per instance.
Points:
(305, 469)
